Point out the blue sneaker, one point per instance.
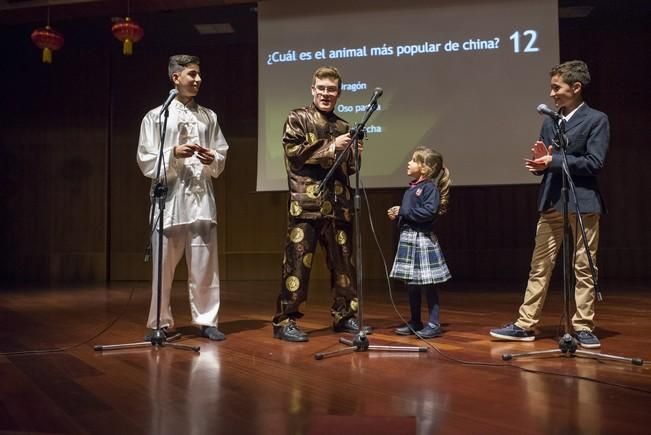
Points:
(512, 332)
(587, 339)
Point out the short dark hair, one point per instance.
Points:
(572, 72)
(180, 61)
(327, 72)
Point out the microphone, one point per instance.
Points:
(377, 93)
(544, 110)
(170, 97)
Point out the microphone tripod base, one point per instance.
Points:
(567, 346)
(567, 343)
(360, 343)
(158, 339)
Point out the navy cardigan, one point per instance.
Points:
(420, 204)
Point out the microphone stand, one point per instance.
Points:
(567, 345)
(360, 342)
(158, 337)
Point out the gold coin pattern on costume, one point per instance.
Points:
(307, 260)
(341, 237)
(295, 208)
(296, 235)
(310, 190)
(339, 189)
(326, 208)
(292, 283)
(354, 304)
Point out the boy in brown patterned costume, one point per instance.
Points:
(313, 136)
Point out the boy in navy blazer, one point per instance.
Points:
(588, 134)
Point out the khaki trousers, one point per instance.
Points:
(549, 239)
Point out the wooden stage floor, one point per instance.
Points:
(252, 383)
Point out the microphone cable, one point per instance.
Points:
(73, 346)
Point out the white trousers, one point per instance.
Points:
(199, 243)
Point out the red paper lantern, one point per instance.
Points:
(47, 39)
(127, 31)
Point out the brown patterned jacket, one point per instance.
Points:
(309, 144)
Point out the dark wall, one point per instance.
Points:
(75, 204)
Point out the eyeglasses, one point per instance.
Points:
(326, 89)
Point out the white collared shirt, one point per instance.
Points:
(569, 115)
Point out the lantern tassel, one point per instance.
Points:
(47, 55)
(127, 47)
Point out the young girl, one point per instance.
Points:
(419, 260)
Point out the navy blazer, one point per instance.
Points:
(588, 133)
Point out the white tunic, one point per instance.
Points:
(190, 196)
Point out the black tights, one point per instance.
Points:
(432, 296)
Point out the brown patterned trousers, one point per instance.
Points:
(335, 238)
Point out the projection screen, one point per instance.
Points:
(463, 76)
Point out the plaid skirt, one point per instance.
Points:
(419, 259)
